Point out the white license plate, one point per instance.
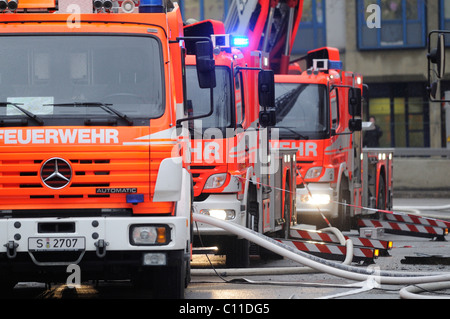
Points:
(56, 243)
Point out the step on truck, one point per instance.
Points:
(91, 171)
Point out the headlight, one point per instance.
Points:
(216, 181)
(222, 214)
(313, 172)
(149, 235)
(315, 199)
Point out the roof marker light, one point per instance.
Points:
(3, 5)
(13, 4)
(97, 4)
(105, 4)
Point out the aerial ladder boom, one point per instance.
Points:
(271, 26)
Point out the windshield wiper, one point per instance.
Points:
(104, 106)
(36, 118)
(297, 134)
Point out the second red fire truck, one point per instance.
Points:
(319, 112)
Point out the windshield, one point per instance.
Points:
(40, 72)
(301, 110)
(199, 99)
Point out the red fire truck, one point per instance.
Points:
(228, 146)
(90, 168)
(319, 112)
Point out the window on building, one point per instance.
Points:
(402, 25)
(402, 113)
(444, 17)
(204, 9)
(311, 33)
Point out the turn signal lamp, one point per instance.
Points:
(161, 235)
(216, 181)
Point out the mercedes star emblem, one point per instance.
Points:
(56, 173)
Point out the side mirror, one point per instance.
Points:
(266, 94)
(267, 118)
(437, 56)
(355, 125)
(433, 90)
(355, 101)
(205, 65)
(266, 88)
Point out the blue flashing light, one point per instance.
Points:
(151, 6)
(135, 198)
(240, 41)
(335, 65)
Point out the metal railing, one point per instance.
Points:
(421, 152)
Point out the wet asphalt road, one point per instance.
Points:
(279, 287)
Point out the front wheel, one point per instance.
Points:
(167, 282)
(381, 196)
(342, 221)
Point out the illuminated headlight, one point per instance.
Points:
(216, 181)
(149, 235)
(222, 214)
(313, 172)
(315, 199)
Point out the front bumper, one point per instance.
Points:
(102, 236)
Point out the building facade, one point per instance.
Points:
(386, 42)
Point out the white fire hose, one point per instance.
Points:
(433, 280)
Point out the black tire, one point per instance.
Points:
(6, 287)
(238, 250)
(342, 221)
(164, 282)
(381, 196)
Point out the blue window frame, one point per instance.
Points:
(403, 24)
(444, 17)
(311, 33)
(206, 9)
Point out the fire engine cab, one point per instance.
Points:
(91, 171)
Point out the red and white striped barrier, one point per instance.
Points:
(332, 251)
(400, 228)
(332, 238)
(414, 219)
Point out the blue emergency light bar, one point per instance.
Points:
(240, 41)
(151, 6)
(135, 198)
(335, 65)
